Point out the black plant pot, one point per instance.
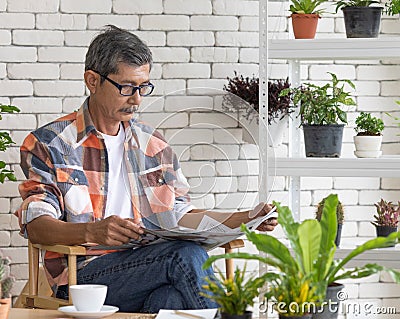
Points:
(384, 231)
(323, 140)
(246, 315)
(338, 235)
(362, 22)
(332, 308)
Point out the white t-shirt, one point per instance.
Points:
(118, 195)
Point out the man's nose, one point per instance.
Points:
(135, 99)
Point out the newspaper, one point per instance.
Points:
(210, 233)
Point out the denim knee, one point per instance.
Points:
(165, 297)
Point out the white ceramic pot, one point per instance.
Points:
(368, 146)
(275, 131)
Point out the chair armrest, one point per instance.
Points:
(63, 249)
(237, 243)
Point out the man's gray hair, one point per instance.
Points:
(113, 46)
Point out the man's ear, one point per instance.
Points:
(92, 80)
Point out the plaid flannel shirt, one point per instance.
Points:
(65, 163)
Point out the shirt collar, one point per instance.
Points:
(85, 125)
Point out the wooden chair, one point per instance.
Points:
(37, 292)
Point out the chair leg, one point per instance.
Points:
(229, 264)
(33, 269)
(71, 273)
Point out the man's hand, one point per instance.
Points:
(113, 231)
(262, 209)
(268, 225)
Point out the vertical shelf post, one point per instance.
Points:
(264, 184)
(294, 143)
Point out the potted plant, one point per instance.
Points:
(392, 7)
(5, 142)
(305, 15)
(368, 140)
(320, 114)
(233, 295)
(312, 256)
(244, 99)
(7, 282)
(361, 18)
(339, 217)
(386, 218)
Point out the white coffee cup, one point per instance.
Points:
(89, 298)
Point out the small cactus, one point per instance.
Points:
(6, 286)
(6, 280)
(339, 211)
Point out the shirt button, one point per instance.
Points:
(102, 188)
(76, 179)
(160, 180)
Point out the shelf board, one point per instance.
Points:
(342, 167)
(388, 257)
(337, 48)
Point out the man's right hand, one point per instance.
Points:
(113, 231)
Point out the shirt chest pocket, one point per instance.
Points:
(73, 185)
(157, 178)
(71, 176)
(158, 187)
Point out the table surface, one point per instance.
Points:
(17, 313)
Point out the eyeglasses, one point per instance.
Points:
(129, 89)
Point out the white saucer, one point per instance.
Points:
(105, 311)
(368, 154)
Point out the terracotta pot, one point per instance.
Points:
(304, 25)
(5, 305)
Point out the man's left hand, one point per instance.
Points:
(260, 210)
(268, 225)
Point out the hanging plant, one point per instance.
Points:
(247, 89)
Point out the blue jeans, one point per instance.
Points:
(162, 276)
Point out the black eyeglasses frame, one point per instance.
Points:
(134, 88)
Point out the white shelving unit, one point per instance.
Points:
(328, 49)
(341, 167)
(296, 165)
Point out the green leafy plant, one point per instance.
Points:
(233, 295)
(392, 7)
(387, 214)
(320, 105)
(367, 125)
(306, 6)
(312, 257)
(354, 3)
(247, 89)
(6, 280)
(339, 211)
(5, 142)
